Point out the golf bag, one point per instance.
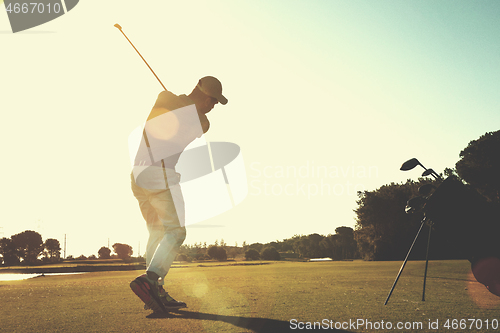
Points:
(471, 227)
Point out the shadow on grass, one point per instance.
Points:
(452, 279)
(255, 324)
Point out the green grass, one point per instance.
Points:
(251, 298)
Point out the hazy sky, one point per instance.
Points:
(325, 98)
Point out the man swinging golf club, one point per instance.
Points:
(173, 123)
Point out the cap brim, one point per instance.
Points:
(222, 100)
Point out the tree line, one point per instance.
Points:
(383, 230)
(338, 246)
(27, 248)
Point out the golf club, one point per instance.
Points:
(144, 131)
(412, 163)
(120, 28)
(427, 172)
(432, 173)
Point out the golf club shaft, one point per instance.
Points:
(437, 176)
(432, 173)
(120, 28)
(404, 263)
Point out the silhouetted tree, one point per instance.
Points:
(217, 253)
(252, 254)
(212, 251)
(480, 165)
(123, 251)
(29, 245)
(313, 249)
(383, 230)
(53, 249)
(276, 245)
(8, 251)
(256, 246)
(270, 253)
(346, 245)
(287, 244)
(104, 253)
(182, 257)
(221, 254)
(233, 252)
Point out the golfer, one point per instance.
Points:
(173, 123)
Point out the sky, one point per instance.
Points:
(326, 98)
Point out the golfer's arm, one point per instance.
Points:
(205, 124)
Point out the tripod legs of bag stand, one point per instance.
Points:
(427, 258)
(406, 259)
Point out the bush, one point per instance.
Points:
(252, 254)
(184, 257)
(212, 251)
(233, 253)
(270, 253)
(124, 251)
(104, 253)
(200, 256)
(221, 254)
(217, 252)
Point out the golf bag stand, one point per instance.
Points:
(406, 260)
(429, 223)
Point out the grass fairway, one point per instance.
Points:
(256, 298)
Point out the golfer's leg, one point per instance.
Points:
(156, 233)
(154, 225)
(167, 251)
(174, 234)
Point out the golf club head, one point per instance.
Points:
(426, 189)
(410, 164)
(415, 204)
(427, 172)
(118, 26)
